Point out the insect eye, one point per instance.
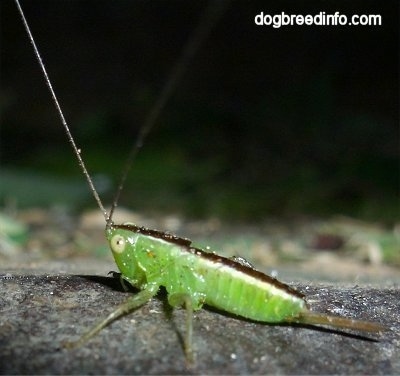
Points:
(118, 244)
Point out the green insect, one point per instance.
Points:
(148, 259)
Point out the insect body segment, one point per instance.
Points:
(204, 277)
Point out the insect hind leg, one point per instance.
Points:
(179, 299)
(131, 304)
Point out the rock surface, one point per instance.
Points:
(40, 311)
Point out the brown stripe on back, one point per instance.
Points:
(186, 243)
(171, 238)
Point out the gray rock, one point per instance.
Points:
(38, 312)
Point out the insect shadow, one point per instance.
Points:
(111, 282)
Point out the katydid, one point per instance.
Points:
(148, 259)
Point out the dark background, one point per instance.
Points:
(287, 121)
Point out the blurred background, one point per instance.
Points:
(267, 124)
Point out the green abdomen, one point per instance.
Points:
(248, 293)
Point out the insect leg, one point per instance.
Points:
(122, 280)
(177, 299)
(132, 303)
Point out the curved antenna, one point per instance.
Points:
(209, 18)
(77, 151)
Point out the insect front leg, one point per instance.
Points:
(179, 299)
(131, 304)
(121, 278)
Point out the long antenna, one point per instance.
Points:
(77, 151)
(209, 18)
